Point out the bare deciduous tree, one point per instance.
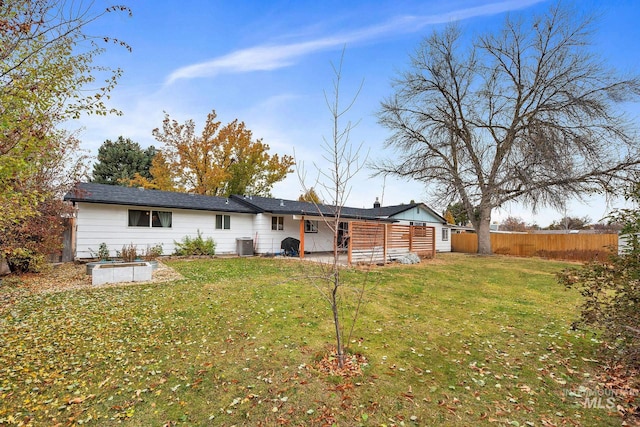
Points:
(527, 114)
(332, 183)
(570, 223)
(513, 223)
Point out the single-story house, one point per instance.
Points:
(119, 216)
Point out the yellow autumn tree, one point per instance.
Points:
(449, 217)
(161, 174)
(223, 160)
(310, 196)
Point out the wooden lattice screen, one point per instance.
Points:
(372, 242)
(366, 242)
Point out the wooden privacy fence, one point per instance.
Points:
(572, 247)
(371, 242)
(68, 250)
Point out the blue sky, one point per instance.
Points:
(268, 63)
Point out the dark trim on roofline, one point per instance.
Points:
(131, 196)
(243, 201)
(186, 208)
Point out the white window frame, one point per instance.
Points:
(223, 222)
(277, 223)
(310, 226)
(149, 213)
(445, 234)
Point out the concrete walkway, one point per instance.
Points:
(325, 258)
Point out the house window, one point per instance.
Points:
(161, 219)
(343, 235)
(445, 234)
(223, 222)
(277, 223)
(310, 226)
(140, 218)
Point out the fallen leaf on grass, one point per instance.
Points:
(77, 400)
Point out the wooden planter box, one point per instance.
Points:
(121, 272)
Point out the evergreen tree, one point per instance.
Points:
(119, 161)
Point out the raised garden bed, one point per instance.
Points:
(120, 272)
(91, 265)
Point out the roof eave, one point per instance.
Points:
(163, 206)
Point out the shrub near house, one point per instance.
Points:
(195, 246)
(611, 290)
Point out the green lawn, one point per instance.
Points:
(458, 341)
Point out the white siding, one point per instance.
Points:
(267, 241)
(322, 241)
(99, 223)
(418, 214)
(442, 245)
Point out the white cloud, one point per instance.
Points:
(271, 57)
(259, 58)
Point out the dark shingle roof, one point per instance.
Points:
(387, 211)
(119, 195)
(132, 196)
(294, 207)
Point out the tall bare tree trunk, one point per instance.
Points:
(336, 319)
(484, 232)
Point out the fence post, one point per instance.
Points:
(384, 244)
(350, 240)
(411, 238)
(433, 242)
